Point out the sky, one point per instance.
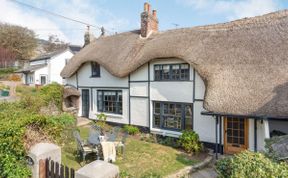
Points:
(124, 15)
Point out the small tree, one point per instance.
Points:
(19, 40)
(101, 122)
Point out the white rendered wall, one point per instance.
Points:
(40, 72)
(55, 66)
(105, 80)
(204, 125)
(139, 89)
(139, 112)
(141, 74)
(199, 87)
(70, 81)
(262, 130)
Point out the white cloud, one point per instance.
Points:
(44, 25)
(233, 9)
(10, 13)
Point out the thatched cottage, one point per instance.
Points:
(228, 82)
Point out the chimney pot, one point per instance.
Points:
(146, 7)
(154, 12)
(149, 8)
(149, 21)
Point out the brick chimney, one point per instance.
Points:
(149, 22)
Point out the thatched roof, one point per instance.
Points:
(243, 63)
(70, 91)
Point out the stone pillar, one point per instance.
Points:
(98, 169)
(43, 151)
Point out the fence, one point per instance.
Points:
(50, 169)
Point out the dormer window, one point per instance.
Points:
(171, 72)
(95, 69)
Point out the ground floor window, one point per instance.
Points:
(109, 101)
(172, 116)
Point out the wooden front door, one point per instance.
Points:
(85, 103)
(235, 135)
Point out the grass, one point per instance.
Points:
(4, 72)
(142, 158)
(25, 90)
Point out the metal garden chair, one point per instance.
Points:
(122, 144)
(82, 148)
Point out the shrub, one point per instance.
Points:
(168, 141)
(52, 93)
(250, 164)
(131, 130)
(101, 120)
(15, 77)
(16, 117)
(189, 141)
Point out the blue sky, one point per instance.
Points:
(124, 15)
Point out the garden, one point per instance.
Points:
(37, 117)
(146, 155)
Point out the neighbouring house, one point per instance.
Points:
(228, 82)
(46, 68)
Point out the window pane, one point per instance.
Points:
(110, 101)
(95, 71)
(165, 72)
(157, 108)
(156, 121)
(188, 116)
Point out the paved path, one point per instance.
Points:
(82, 121)
(207, 172)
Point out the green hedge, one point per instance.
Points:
(249, 164)
(15, 118)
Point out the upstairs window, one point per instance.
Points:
(95, 69)
(172, 72)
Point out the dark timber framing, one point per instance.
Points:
(129, 100)
(255, 135)
(77, 80)
(149, 99)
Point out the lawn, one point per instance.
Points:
(141, 158)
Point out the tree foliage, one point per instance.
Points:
(54, 44)
(19, 40)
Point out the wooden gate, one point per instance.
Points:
(50, 169)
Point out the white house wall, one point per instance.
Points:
(203, 125)
(199, 87)
(55, 66)
(106, 79)
(141, 74)
(40, 72)
(139, 111)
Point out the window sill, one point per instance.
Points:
(111, 115)
(94, 76)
